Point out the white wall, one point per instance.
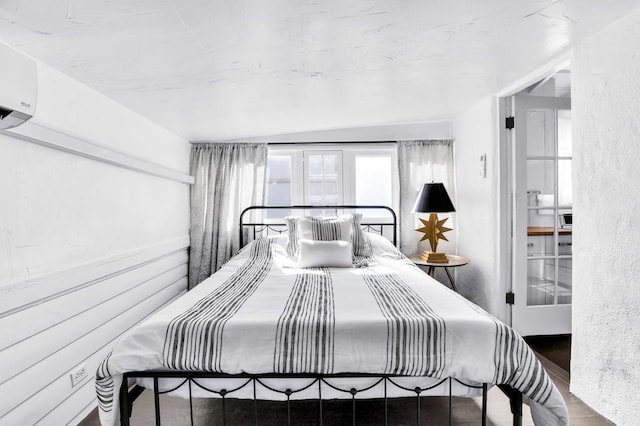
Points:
(605, 358)
(87, 249)
(477, 206)
(391, 132)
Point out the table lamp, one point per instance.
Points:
(433, 199)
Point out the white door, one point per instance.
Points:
(542, 218)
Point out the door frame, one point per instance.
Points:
(559, 316)
(504, 101)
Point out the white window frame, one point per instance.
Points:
(349, 166)
(339, 169)
(349, 153)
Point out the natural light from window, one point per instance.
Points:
(328, 176)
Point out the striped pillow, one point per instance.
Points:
(359, 239)
(325, 229)
(292, 232)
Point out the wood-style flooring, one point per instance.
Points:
(556, 349)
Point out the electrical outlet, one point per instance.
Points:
(78, 375)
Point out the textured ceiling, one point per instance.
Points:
(217, 70)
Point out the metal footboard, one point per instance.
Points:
(255, 382)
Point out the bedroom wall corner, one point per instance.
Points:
(605, 95)
(87, 248)
(477, 204)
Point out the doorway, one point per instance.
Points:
(541, 187)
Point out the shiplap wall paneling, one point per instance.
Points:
(93, 334)
(34, 291)
(25, 323)
(17, 358)
(85, 396)
(35, 378)
(48, 368)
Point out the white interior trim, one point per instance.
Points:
(31, 131)
(36, 290)
(550, 68)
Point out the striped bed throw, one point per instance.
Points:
(387, 318)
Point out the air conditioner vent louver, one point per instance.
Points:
(18, 87)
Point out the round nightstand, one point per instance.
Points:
(454, 262)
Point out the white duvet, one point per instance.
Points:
(260, 315)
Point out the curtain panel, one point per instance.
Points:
(421, 162)
(228, 178)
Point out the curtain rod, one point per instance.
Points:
(331, 143)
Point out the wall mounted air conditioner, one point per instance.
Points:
(18, 118)
(18, 87)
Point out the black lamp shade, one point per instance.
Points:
(433, 198)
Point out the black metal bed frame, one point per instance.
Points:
(281, 227)
(190, 379)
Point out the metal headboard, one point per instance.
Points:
(279, 227)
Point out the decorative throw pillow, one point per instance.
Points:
(344, 227)
(292, 233)
(324, 254)
(325, 229)
(359, 238)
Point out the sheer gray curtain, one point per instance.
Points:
(228, 178)
(421, 162)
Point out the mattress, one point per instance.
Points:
(261, 315)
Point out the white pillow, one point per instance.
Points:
(324, 254)
(382, 246)
(312, 228)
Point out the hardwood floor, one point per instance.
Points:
(556, 349)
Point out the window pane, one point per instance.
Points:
(564, 281)
(315, 165)
(278, 187)
(323, 177)
(541, 132)
(540, 245)
(315, 188)
(330, 188)
(279, 194)
(278, 167)
(541, 287)
(330, 165)
(540, 181)
(564, 133)
(565, 197)
(373, 181)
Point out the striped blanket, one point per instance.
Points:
(259, 315)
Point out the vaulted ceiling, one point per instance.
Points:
(218, 70)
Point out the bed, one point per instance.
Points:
(264, 328)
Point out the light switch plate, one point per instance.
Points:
(483, 166)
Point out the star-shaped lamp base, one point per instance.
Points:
(433, 231)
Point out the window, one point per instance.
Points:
(322, 177)
(373, 179)
(279, 179)
(278, 184)
(332, 174)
